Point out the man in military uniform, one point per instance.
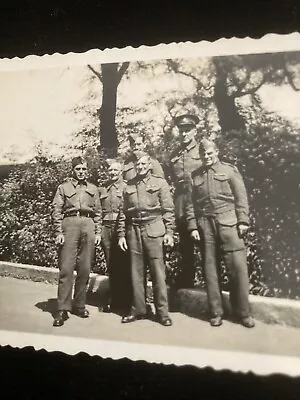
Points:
(77, 222)
(217, 214)
(137, 144)
(147, 221)
(184, 160)
(117, 261)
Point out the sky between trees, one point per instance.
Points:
(38, 105)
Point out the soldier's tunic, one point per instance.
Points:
(117, 261)
(129, 171)
(146, 215)
(217, 203)
(183, 162)
(77, 215)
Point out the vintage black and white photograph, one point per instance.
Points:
(149, 203)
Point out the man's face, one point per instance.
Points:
(209, 156)
(80, 172)
(114, 171)
(143, 165)
(138, 145)
(187, 133)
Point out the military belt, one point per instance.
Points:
(141, 217)
(143, 221)
(109, 222)
(79, 213)
(143, 213)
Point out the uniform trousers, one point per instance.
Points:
(221, 240)
(186, 275)
(146, 248)
(120, 290)
(77, 253)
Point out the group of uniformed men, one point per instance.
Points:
(133, 215)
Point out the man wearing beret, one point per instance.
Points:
(77, 221)
(146, 223)
(137, 144)
(217, 213)
(183, 161)
(117, 261)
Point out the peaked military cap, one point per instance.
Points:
(77, 161)
(186, 120)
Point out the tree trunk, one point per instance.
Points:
(108, 133)
(229, 118)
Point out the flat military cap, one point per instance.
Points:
(186, 120)
(140, 154)
(77, 161)
(206, 144)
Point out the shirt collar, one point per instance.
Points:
(215, 167)
(145, 179)
(115, 183)
(191, 145)
(76, 183)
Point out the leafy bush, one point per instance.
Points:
(268, 156)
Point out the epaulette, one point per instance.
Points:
(233, 166)
(68, 179)
(227, 163)
(157, 176)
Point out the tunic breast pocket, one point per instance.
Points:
(222, 185)
(152, 195)
(90, 198)
(71, 199)
(103, 201)
(131, 196)
(199, 189)
(117, 200)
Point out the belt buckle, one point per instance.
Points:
(78, 213)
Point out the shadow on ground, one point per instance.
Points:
(49, 306)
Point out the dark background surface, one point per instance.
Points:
(46, 27)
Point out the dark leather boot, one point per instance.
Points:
(60, 318)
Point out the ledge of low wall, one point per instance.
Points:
(270, 310)
(192, 302)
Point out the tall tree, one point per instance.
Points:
(230, 77)
(110, 76)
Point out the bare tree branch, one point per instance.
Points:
(121, 71)
(98, 74)
(175, 67)
(266, 76)
(289, 76)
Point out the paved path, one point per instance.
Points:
(26, 306)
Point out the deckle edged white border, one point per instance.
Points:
(219, 360)
(269, 43)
